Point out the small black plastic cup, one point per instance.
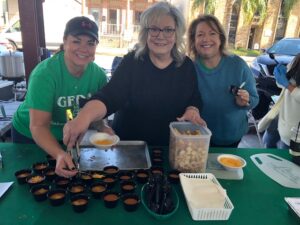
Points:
(173, 176)
(234, 89)
(157, 170)
(142, 176)
(295, 152)
(111, 199)
(97, 176)
(130, 201)
(50, 173)
(40, 167)
(157, 161)
(110, 181)
(127, 186)
(35, 179)
(40, 192)
(156, 155)
(57, 196)
(125, 175)
(62, 182)
(76, 188)
(97, 189)
(111, 170)
(79, 202)
(157, 150)
(21, 175)
(86, 178)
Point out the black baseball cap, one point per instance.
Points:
(81, 25)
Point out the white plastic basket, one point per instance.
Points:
(206, 213)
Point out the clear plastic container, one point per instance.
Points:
(188, 149)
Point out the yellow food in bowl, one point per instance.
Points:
(104, 142)
(231, 162)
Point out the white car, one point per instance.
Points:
(56, 14)
(13, 34)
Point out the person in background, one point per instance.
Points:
(271, 137)
(225, 82)
(57, 84)
(154, 84)
(289, 115)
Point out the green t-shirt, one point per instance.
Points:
(53, 89)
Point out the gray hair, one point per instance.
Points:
(154, 14)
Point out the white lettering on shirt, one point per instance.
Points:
(69, 101)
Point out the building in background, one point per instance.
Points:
(3, 13)
(56, 13)
(118, 20)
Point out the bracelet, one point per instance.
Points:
(192, 108)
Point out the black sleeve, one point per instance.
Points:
(196, 100)
(116, 93)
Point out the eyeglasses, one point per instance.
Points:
(167, 32)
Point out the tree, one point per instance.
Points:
(250, 7)
(288, 5)
(209, 5)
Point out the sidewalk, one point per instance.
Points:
(248, 59)
(111, 51)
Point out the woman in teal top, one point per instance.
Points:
(57, 84)
(225, 82)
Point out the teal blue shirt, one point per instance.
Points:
(227, 121)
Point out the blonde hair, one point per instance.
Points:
(153, 14)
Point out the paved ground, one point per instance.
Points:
(250, 140)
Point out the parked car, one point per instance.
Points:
(56, 14)
(262, 67)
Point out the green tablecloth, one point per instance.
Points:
(257, 199)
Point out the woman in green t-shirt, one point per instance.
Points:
(57, 84)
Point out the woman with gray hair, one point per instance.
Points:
(154, 85)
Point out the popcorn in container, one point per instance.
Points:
(188, 149)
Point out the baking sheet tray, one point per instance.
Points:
(127, 155)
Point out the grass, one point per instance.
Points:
(245, 52)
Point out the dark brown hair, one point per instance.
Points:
(294, 71)
(214, 24)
